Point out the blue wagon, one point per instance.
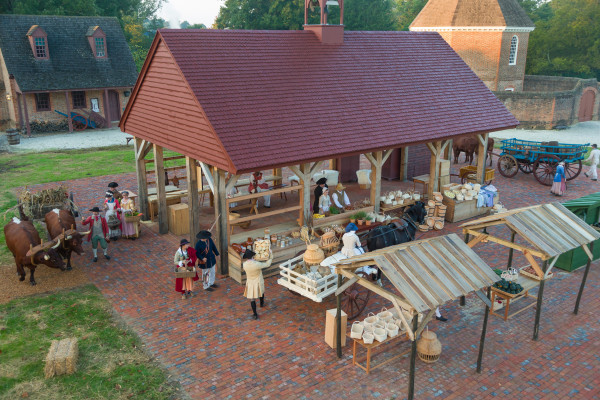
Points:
(79, 121)
(540, 158)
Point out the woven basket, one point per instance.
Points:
(438, 225)
(132, 218)
(431, 203)
(313, 255)
(424, 228)
(185, 274)
(429, 347)
(329, 240)
(430, 221)
(430, 211)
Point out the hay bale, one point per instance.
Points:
(62, 358)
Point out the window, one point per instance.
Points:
(79, 99)
(42, 101)
(514, 44)
(40, 47)
(100, 50)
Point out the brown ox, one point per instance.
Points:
(59, 221)
(470, 145)
(20, 234)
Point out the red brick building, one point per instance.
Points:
(492, 36)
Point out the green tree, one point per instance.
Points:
(407, 11)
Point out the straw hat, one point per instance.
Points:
(339, 186)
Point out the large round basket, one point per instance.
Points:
(313, 255)
(429, 347)
(113, 223)
(133, 218)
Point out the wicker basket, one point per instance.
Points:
(133, 218)
(438, 225)
(430, 221)
(185, 274)
(313, 255)
(424, 228)
(429, 347)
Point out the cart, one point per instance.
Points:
(540, 158)
(468, 173)
(80, 122)
(354, 300)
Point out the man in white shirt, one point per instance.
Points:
(340, 198)
(595, 159)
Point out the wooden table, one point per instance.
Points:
(168, 189)
(369, 347)
(527, 283)
(423, 180)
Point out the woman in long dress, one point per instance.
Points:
(185, 256)
(128, 207)
(255, 283)
(113, 211)
(559, 187)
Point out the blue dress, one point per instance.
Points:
(559, 187)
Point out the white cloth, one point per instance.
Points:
(266, 198)
(208, 277)
(112, 210)
(351, 244)
(324, 202)
(337, 202)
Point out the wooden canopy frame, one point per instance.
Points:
(549, 229)
(427, 273)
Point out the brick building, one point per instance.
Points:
(67, 64)
(492, 36)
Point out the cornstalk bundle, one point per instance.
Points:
(37, 204)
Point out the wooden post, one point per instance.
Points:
(448, 153)
(26, 115)
(483, 332)
(376, 179)
(221, 215)
(159, 171)
(538, 309)
(106, 110)
(481, 154)
(404, 164)
(462, 298)
(305, 200)
(434, 172)
(69, 119)
(511, 250)
(141, 148)
(413, 360)
(21, 121)
(338, 319)
(193, 198)
(585, 274)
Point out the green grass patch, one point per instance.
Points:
(25, 169)
(111, 361)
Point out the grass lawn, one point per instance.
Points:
(111, 361)
(23, 169)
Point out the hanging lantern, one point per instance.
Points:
(429, 347)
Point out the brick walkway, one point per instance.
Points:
(217, 351)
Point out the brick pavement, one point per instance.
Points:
(217, 351)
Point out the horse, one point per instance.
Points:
(397, 232)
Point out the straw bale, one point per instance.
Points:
(62, 358)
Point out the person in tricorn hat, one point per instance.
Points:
(185, 256)
(206, 251)
(98, 232)
(255, 283)
(321, 184)
(113, 188)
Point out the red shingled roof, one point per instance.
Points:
(278, 98)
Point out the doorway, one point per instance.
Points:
(586, 106)
(114, 106)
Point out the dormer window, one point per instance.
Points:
(97, 40)
(38, 39)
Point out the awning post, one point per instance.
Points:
(413, 360)
(511, 250)
(538, 310)
(483, 332)
(585, 274)
(338, 319)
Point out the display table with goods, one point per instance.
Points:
(468, 200)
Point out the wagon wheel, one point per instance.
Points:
(508, 166)
(526, 167)
(572, 170)
(356, 298)
(79, 122)
(545, 168)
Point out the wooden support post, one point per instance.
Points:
(221, 216)
(24, 96)
(413, 360)
(193, 197)
(448, 153)
(107, 110)
(538, 309)
(434, 172)
(376, 160)
(481, 155)
(483, 332)
(69, 119)
(585, 274)
(161, 194)
(21, 121)
(463, 301)
(141, 148)
(338, 319)
(404, 164)
(511, 250)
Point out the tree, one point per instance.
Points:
(407, 11)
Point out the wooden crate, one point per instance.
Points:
(315, 290)
(340, 219)
(461, 210)
(179, 219)
(444, 167)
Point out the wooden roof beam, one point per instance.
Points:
(506, 243)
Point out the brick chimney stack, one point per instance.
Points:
(327, 34)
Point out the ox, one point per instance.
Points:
(470, 145)
(59, 221)
(20, 235)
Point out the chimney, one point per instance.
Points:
(327, 34)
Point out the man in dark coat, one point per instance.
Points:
(321, 184)
(206, 251)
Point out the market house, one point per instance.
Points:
(235, 102)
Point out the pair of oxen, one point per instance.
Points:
(23, 241)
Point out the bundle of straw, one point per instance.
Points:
(37, 204)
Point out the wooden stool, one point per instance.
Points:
(423, 180)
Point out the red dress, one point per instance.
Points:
(179, 281)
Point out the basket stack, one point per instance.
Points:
(436, 212)
(329, 243)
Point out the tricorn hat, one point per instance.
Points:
(95, 209)
(248, 254)
(203, 235)
(322, 181)
(113, 185)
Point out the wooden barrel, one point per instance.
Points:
(13, 136)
